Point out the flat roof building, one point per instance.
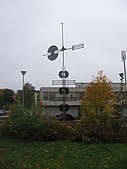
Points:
(51, 98)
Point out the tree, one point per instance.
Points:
(28, 95)
(99, 115)
(101, 120)
(6, 98)
(99, 97)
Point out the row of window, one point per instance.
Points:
(56, 96)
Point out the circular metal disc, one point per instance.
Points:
(63, 74)
(64, 107)
(63, 90)
(52, 55)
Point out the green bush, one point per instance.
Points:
(108, 129)
(34, 124)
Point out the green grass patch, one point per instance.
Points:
(22, 154)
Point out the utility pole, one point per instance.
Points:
(23, 73)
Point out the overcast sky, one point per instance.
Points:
(29, 27)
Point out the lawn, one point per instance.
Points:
(21, 154)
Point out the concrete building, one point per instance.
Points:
(51, 98)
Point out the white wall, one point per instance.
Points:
(54, 110)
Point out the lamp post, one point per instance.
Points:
(121, 89)
(23, 73)
(123, 55)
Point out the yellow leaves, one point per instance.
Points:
(1, 149)
(27, 166)
(101, 78)
(98, 96)
(105, 166)
(106, 161)
(37, 165)
(24, 166)
(46, 151)
(108, 158)
(61, 159)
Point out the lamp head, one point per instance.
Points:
(23, 72)
(121, 75)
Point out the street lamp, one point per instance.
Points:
(121, 88)
(23, 73)
(123, 55)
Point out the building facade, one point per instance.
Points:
(51, 99)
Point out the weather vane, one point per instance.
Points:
(52, 54)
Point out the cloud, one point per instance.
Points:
(29, 28)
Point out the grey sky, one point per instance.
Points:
(29, 27)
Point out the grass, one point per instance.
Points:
(21, 154)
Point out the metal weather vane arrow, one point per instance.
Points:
(53, 51)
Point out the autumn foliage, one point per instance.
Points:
(98, 97)
(6, 98)
(100, 120)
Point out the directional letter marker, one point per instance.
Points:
(63, 74)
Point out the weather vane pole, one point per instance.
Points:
(52, 54)
(63, 45)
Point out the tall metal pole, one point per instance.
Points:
(121, 88)
(63, 46)
(123, 55)
(125, 73)
(64, 79)
(23, 73)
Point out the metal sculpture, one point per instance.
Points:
(52, 54)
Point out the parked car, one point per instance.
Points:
(2, 113)
(6, 112)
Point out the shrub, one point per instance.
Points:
(101, 121)
(34, 124)
(109, 129)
